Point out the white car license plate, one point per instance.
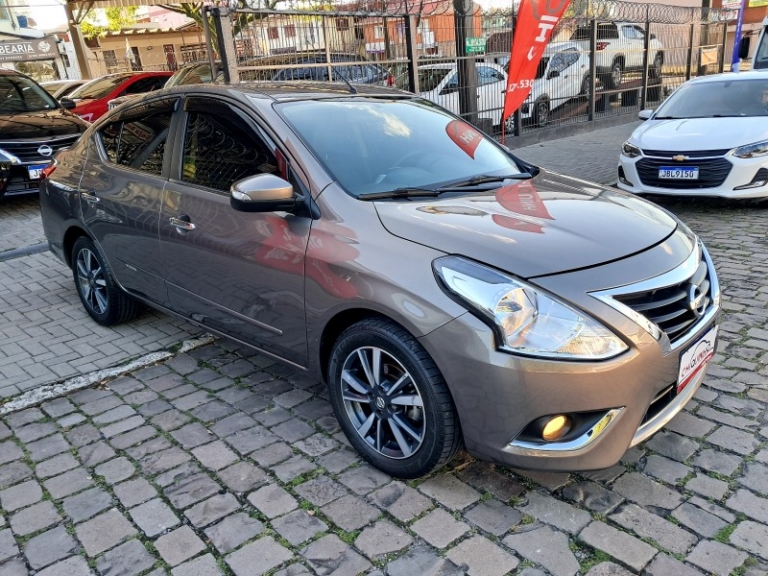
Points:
(696, 357)
(36, 171)
(679, 173)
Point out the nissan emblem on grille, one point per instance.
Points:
(45, 150)
(697, 300)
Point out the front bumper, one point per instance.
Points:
(498, 395)
(743, 180)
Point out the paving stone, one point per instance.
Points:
(557, 513)
(213, 410)
(72, 566)
(94, 454)
(422, 561)
(296, 570)
(299, 526)
(86, 504)
(128, 559)
(752, 537)
(8, 546)
(485, 477)
(56, 465)
(450, 491)
(707, 487)
(165, 382)
(713, 509)
(233, 531)
(9, 452)
(720, 462)
(83, 435)
(170, 420)
(382, 538)
(592, 496)
(150, 447)
(663, 565)
(273, 416)
(364, 479)
(494, 517)
(154, 407)
(233, 424)
(5, 432)
(116, 414)
(735, 440)
(693, 517)
(35, 431)
(122, 426)
(608, 569)
(164, 460)
(320, 490)
(71, 420)
(755, 477)
(43, 449)
(178, 474)
(153, 517)
(68, 483)
(133, 437)
(190, 401)
(116, 470)
(747, 503)
(716, 558)
(203, 566)
(215, 455)
(49, 547)
(243, 477)
(272, 501)
(247, 441)
(192, 435)
(293, 468)
(179, 545)
(689, 425)
(103, 532)
(653, 527)
(13, 473)
(549, 480)
(400, 500)
(273, 454)
(546, 547)
(666, 469)
(20, 495)
(191, 490)
(102, 405)
(34, 518)
(631, 551)
(134, 492)
(183, 364)
(258, 557)
(58, 407)
(482, 557)
(316, 445)
(329, 555)
(646, 492)
(439, 528)
(23, 417)
(673, 445)
(293, 430)
(350, 513)
(211, 510)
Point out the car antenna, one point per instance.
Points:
(352, 89)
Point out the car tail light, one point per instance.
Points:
(47, 171)
(390, 80)
(601, 45)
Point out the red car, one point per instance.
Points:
(91, 99)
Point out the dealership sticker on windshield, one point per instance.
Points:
(696, 358)
(36, 171)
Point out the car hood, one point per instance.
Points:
(700, 133)
(545, 225)
(39, 125)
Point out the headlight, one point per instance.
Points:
(526, 320)
(8, 158)
(630, 150)
(752, 150)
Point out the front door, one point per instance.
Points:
(492, 85)
(236, 272)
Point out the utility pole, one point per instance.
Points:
(735, 60)
(77, 42)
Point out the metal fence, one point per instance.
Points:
(606, 57)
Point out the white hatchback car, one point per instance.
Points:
(709, 138)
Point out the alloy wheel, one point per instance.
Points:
(383, 402)
(542, 114)
(91, 280)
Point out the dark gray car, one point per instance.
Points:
(445, 290)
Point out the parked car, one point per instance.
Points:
(443, 288)
(343, 67)
(91, 99)
(620, 48)
(61, 88)
(33, 126)
(709, 138)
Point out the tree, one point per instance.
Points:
(99, 22)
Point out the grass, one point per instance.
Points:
(598, 557)
(725, 533)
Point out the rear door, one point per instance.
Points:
(491, 84)
(122, 191)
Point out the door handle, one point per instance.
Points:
(90, 198)
(181, 223)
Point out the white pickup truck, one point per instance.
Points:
(760, 59)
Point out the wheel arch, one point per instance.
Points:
(70, 237)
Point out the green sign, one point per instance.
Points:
(474, 45)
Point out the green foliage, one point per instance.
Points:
(116, 19)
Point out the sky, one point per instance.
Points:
(48, 14)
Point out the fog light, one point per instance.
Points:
(556, 428)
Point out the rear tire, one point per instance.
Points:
(616, 75)
(400, 417)
(100, 294)
(541, 113)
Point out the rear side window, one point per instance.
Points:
(138, 139)
(146, 85)
(604, 32)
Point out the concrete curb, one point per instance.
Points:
(50, 391)
(23, 251)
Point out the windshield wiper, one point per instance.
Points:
(399, 193)
(477, 180)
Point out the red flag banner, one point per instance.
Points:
(535, 22)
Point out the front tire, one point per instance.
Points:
(616, 75)
(391, 400)
(100, 294)
(541, 113)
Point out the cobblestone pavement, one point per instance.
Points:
(20, 222)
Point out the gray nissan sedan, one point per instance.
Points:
(446, 291)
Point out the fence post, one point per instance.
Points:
(209, 44)
(646, 49)
(413, 64)
(465, 67)
(327, 42)
(722, 48)
(690, 53)
(592, 68)
(223, 24)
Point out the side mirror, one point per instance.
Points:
(645, 114)
(553, 74)
(67, 103)
(262, 193)
(744, 48)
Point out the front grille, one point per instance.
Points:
(712, 172)
(690, 154)
(26, 150)
(671, 308)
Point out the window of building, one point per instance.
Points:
(378, 32)
(110, 59)
(290, 31)
(273, 33)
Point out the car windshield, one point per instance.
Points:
(429, 78)
(97, 88)
(371, 145)
(542, 67)
(724, 98)
(20, 94)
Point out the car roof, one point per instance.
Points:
(732, 76)
(558, 46)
